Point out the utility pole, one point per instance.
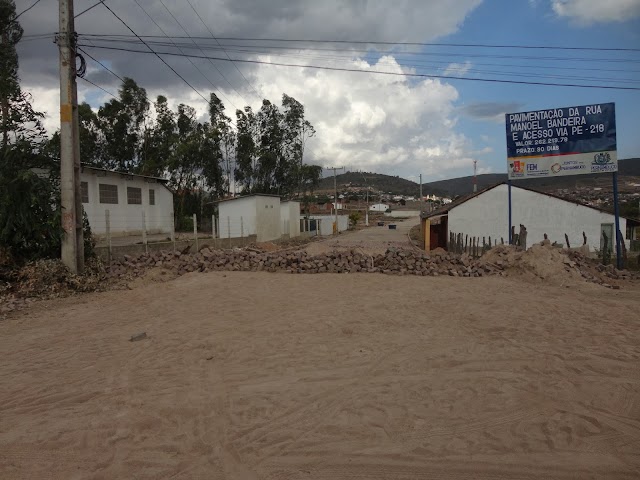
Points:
(421, 192)
(475, 176)
(72, 241)
(366, 213)
(335, 192)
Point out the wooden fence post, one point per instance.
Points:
(144, 233)
(195, 230)
(107, 218)
(566, 237)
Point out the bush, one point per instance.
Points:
(354, 217)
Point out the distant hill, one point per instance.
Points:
(377, 181)
(464, 185)
(629, 167)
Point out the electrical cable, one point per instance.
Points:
(153, 52)
(26, 10)
(258, 96)
(399, 74)
(87, 9)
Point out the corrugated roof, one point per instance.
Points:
(446, 208)
(124, 174)
(246, 196)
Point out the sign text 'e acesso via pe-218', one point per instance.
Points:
(562, 141)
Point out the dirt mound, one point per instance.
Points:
(552, 264)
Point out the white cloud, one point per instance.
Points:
(375, 122)
(390, 124)
(457, 69)
(594, 11)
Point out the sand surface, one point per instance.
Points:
(275, 376)
(372, 240)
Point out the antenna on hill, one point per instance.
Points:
(475, 176)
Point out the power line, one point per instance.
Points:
(210, 61)
(153, 51)
(98, 86)
(467, 68)
(27, 9)
(190, 61)
(207, 27)
(265, 50)
(415, 44)
(87, 9)
(399, 74)
(102, 64)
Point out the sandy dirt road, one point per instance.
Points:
(274, 376)
(372, 240)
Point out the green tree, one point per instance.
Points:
(160, 140)
(121, 123)
(29, 204)
(246, 150)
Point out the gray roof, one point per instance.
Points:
(445, 208)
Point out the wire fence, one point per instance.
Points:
(117, 233)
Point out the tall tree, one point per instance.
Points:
(297, 131)
(226, 138)
(246, 150)
(121, 124)
(29, 204)
(18, 119)
(160, 140)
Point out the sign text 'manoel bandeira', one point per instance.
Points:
(562, 141)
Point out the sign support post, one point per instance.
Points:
(616, 211)
(510, 212)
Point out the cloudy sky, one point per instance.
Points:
(393, 124)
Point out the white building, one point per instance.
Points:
(486, 214)
(290, 218)
(257, 215)
(325, 223)
(130, 200)
(379, 207)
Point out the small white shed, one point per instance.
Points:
(290, 218)
(256, 214)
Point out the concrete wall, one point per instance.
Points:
(487, 215)
(326, 223)
(237, 217)
(290, 218)
(403, 213)
(267, 218)
(126, 219)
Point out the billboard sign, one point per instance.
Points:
(562, 141)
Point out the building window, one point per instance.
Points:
(134, 196)
(84, 192)
(108, 193)
(152, 196)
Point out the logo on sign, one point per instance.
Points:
(532, 167)
(602, 158)
(556, 167)
(517, 166)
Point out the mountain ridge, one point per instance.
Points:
(453, 187)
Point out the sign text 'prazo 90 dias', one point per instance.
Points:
(562, 141)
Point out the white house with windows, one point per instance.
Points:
(134, 202)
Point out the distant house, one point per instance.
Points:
(485, 214)
(130, 200)
(379, 207)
